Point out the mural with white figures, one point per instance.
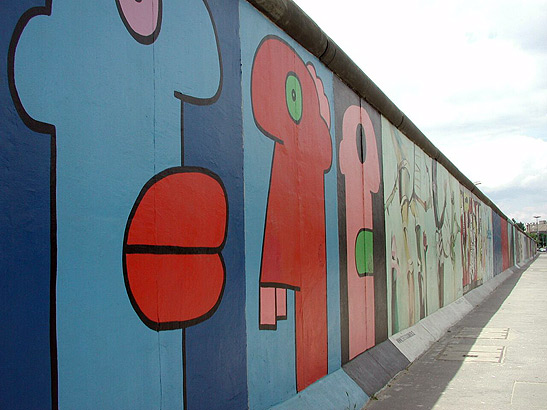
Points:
(477, 243)
(422, 206)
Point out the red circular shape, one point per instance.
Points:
(175, 288)
(173, 268)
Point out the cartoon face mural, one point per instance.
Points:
(290, 106)
(363, 302)
(117, 123)
(359, 164)
(177, 232)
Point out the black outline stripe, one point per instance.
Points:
(278, 286)
(131, 249)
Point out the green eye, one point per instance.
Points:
(293, 95)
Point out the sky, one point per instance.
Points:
(472, 76)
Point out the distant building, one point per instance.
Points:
(540, 227)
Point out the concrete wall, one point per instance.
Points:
(196, 213)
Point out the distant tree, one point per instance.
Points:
(520, 225)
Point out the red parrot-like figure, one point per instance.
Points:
(290, 107)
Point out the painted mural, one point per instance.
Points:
(497, 243)
(446, 210)
(139, 221)
(293, 297)
(291, 108)
(477, 244)
(362, 266)
(407, 193)
(422, 205)
(196, 213)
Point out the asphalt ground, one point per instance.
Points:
(494, 358)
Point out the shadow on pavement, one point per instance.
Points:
(423, 383)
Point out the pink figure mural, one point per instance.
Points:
(360, 166)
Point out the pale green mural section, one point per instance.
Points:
(408, 200)
(477, 243)
(447, 240)
(423, 240)
(487, 243)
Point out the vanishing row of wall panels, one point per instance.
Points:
(196, 213)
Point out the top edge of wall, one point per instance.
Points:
(296, 23)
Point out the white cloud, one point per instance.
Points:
(522, 159)
(470, 75)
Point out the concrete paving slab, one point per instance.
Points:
(518, 382)
(458, 352)
(483, 333)
(335, 391)
(529, 395)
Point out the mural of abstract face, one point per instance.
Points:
(359, 164)
(290, 107)
(109, 83)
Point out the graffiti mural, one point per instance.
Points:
(292, 241)
(168, 254)
(422, 203)
(506, 264)
(477, 245)
(408, 198)
(197, 213)
(497, 243)
(446, 211)
(290, 107)
(362, 263)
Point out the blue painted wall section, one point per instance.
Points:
(154, 252)
(116, 123)
(25, 252)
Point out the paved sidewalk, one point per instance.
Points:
(494, 358)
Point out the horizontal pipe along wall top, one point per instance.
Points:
(297, 24)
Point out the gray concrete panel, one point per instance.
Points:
(335, 391)
(389, 357)
(367, 373)
(413, 342)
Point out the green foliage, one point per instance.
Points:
(519, 225)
